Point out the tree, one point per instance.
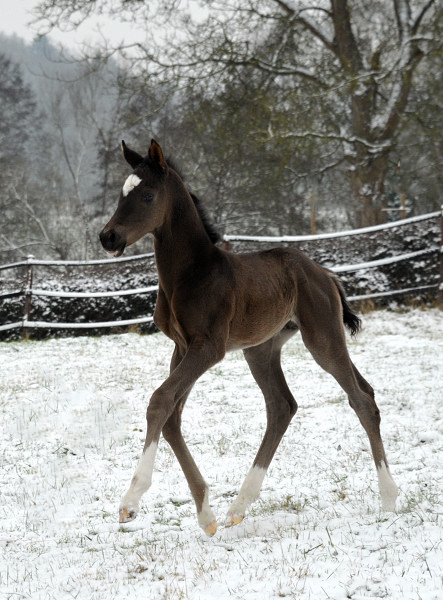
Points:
(418, 156)
(21, 226)
(60, 123)
(18, 112)
(244, 177)
(353, 60)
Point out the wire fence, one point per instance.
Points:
(28, 290)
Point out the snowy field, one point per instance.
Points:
(72, 415)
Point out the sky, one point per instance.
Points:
(15, 17)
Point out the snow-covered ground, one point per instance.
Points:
(72, 415)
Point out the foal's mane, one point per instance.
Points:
(210, 229)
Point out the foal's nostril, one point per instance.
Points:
(110, 239)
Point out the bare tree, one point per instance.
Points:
(59, 128)
(85, 104)
(355, 58)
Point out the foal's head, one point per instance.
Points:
(141, 207)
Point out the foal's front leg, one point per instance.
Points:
(164, 401)
(173, 435)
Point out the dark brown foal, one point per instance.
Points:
(211, 301)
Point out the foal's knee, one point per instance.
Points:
(170, 428)
(159, 409)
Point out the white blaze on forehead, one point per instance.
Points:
(130, 184)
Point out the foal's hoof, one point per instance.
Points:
(127, 514)
(211, 528)
(233, 519)
(389, 504)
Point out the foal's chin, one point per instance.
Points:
(118, 252)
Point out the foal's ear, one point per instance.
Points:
(133, 158)
(156, 155)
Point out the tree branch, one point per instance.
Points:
(288, 9)
(400, 6)
(400, 99)
(421, 15)
(309, 25)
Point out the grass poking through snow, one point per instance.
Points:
(72, 415)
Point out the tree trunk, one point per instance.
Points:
(371, 207)
(367, 183)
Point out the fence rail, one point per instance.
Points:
(31, 260)
(52, 325)
(67, 294)
(381, 261)
(328, 236)
(29, 291)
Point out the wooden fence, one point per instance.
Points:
(29, 291)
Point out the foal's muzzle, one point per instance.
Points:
(112, 242)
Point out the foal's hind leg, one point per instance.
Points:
(264, 363)
(326, 341)
(386, 484)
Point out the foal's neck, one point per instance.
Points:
(181, 243)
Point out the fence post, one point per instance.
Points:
(28, 295)
(313, 219)
(440, 287)
(403, 206)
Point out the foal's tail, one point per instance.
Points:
(350, 319)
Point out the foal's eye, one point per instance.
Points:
(148, 197)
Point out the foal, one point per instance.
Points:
(211, 301)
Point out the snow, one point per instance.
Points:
(73, 419)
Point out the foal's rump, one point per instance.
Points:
(321, 304)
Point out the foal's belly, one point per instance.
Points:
(255, 327)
